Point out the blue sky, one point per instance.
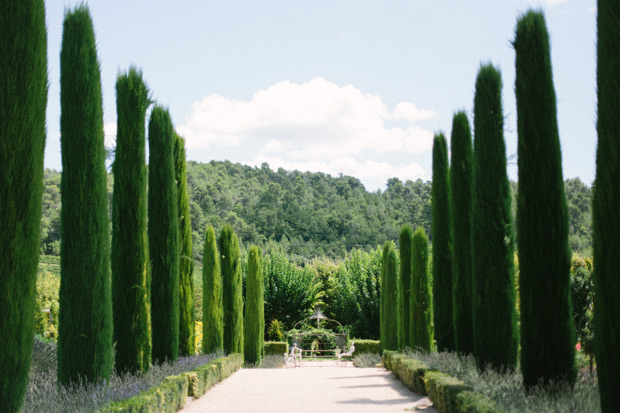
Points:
(339, 86)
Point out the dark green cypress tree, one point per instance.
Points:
(421, 298)
(131, 279)
(382, 300)
(605, 207)
(23, 93)
(547, 330)
(254, 337)
(232, 295)
(442, 246)
(85, 320)
(186, 263)
(212, 330)
(163, 233)
(496, 335)
(461, 187)
(391, 307)
(406, 235)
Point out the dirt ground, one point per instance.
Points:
(313, 387)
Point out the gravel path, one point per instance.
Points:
(311, 388)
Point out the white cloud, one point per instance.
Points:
(316, 126)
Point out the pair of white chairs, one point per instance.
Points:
(293, 358)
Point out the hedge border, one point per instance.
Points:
(171, 395)
(447, 393)
(366, 346)
(276, 347)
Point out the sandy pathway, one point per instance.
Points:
(310, 389)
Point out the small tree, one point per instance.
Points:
(232, 297)
(461, 192)
(406, 235)
(547, 330)
(163, 233)
(605, 206)
(131, 279)
(85, 321)
(390, 305)
(213, 334)
(254, 337)
(496, 335)
(23, 97)
(186, 263)
(421, 299)
(442, 246)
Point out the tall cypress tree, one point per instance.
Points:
(391, 307)
(186, 263)
(232, 295)
(85, 321)
(442, 246)
(163, 233)
(254, 337)
(605, 207)
(496, 334)
(131, 280)
(547, 330)
(23, 93)
(421, 298)
(461, 192)
(213, 334)
(406, 235)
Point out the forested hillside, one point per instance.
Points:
(310, 214)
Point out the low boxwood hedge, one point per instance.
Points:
(276, 347)
(171, 395)
(366, 346)
(447, 393)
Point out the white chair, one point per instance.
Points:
(294, 357)
(348, 353)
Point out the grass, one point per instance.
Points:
(44, 394)
(507, 390)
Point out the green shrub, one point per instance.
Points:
(254, 324)
(390, 327)
(366, 346)
(276, 347)
(275, 331)
(366, 359)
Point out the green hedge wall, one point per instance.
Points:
(447, 393)
(366, 346)
(276, 347)
(172, 394)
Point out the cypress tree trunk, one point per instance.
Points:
(605, 207)
(85, 320)
(391, 307)
(163, 233)
(254, 337)
(23, 93)
(213, 335)
(496, 335)
(232, 298)
(186, 263)
(131, 280)
(421, 299)
(406, 235)
(547, 330)
(442, 246)
(461, 193)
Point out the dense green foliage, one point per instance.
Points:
(213, 334)
(442, 247)
(606, 204)
(406, 236)
(163, 231)
(254, 335)
(85, 329)
(23, 97)
(187, 315)
(547, 330)
(496, 335)
(421, 299)
(131, 268)
(232, 295)
(389, 298)
(582, 297)
(461, 187)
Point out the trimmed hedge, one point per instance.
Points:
(366, 346)
(172, 394)
(447, 393)
(276, 347)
